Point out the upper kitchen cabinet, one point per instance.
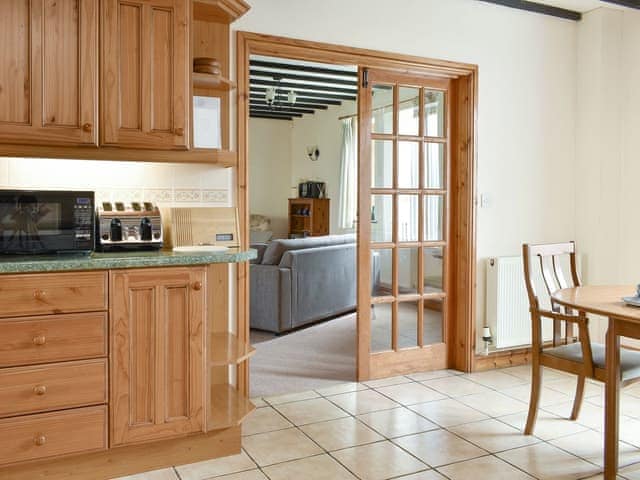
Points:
(145, 74)
(48, 72)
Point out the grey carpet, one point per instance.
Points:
(315, 357)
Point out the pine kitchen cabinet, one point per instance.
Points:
(145, 74)
(116, 364)
(49, 72)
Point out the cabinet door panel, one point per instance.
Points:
(48, 79)
(145, 73)
(157, 369)
(15, 74)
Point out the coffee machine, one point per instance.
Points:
(128, 226)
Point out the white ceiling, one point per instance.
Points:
(579, 5)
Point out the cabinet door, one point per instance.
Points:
(145, 73)
(48, 71)
(157, 370)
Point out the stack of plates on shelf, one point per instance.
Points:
(206, 65)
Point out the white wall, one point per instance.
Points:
(526, 114)
(270, 171)
(607, 144)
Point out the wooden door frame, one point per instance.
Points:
(464, 102)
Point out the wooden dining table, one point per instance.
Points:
(624, 321)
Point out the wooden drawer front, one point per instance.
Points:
(52, 387)
(33, 294)
(48, 434)
(27, 341)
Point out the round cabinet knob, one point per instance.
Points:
(40, 440)
(87, 127)
(197, 286)
(39, 340)
(39, 294)
(40, 389)
(179, 131)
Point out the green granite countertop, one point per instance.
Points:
(106, 261)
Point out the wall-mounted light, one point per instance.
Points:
(292, 97)
(313, 152)
(270, 96)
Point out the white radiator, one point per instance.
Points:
(507, 304)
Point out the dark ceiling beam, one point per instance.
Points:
(260, 95)
(306, 78)
(625, 3)
(277, 113)
(270, 117)
(261, 103)
(281, 107)
(301, 86)
(539, 8)
(322, 95)
(302, 68)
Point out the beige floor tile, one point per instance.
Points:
(631, 473)
(258, 402)
(484, 467)
(310, 411)
(439, 447)
(397, 422)
(341, 388)
(410, 393)
(589, 445)
(164, 474)
(249, 475)
(422, 376)
(290, 397)
(494, 404)
(590, 415)
(629, 405)
(524, 372)
(493, 436)
(385, 382)
(567, 385)
(279, 446)
(548, 425)
(548, 396)
(630, 430)
(216, 467)
(600, 476)
(378, 461)
(455, 386)
(320, 467)
(448, 412)
(544, 461)
(363, 401)
(341, 433)
(264, 419)
(496, 379)
(425, 475)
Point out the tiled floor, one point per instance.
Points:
(426, 426)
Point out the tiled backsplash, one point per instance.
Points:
(161, 183)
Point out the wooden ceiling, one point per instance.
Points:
(316, 87)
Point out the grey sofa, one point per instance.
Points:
(299, 281)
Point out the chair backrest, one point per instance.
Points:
(549, 257)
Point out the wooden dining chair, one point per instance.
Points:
(568, 351)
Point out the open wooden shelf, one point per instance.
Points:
(227, 349)
(222, 11)
(228, 407)
(212, 82)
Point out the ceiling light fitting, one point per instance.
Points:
(271, 96)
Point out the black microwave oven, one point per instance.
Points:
(46, 221)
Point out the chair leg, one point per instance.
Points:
(536, 382)
(577, 402)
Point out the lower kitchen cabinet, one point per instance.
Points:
(157, 343)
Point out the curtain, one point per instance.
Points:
(348, 201)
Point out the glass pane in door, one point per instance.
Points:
(382, 108)
(434, 107)
(382, 164)
(381, 324)
(409, 111)
(433, 321)
(433, 269)
(433, 218)
(434, 165)
(408, 270)
(408, 162)
(408, 218)
(381, 218)
(381, 272)
(408, 324)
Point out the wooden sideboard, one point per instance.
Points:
(113, 372)
(309, 217)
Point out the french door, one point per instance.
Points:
(403, 227)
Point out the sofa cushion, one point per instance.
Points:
(276, 249)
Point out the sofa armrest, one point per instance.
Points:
(260, 248)
(264, 297)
